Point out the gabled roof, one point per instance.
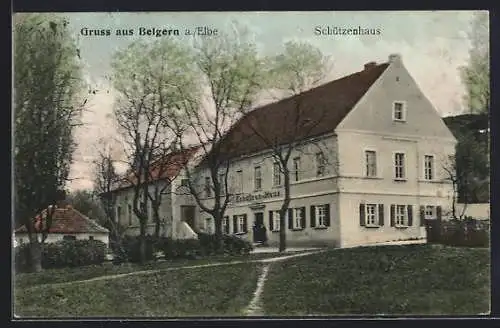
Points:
(166, 168)
(312, 113)
(67, 220)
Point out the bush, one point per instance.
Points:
(232, 245)
(179, 248)
(129, 249)
(66, 253)
(468, 233)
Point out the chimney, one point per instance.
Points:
(394, 58)
(370, 65)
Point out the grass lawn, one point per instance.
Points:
(211, 291)
(411, 279)
(23, 280)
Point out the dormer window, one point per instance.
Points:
(399, 111)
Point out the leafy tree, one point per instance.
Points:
(86, 202)
(47, 106)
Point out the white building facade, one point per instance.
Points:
(371, 170)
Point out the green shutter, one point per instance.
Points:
(290, 218)
(303, 221)
(410, 215)
(271, 223)
(380, 214)
(362, 219)
(422, 215)
(393, 212)
(327, 215)
(439, 213)
(245, 223)
(313, 216)
(235, 224)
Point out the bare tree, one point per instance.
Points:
(299, 68)
(229, 76)
(144, 75)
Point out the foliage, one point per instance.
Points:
(129, 249)
(476, 75)
(180, 248)
(212, 291)
(67, 253)
(85, 202)
(465, 233)
(389, 280)
(232, 245)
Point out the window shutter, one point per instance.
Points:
(227, 226)
(303, 223)
(327, 215)
(380, 214)
(422, 216)
(410, 215)
(235, 224)
(271, 223)
(290, 218)
(245, 223)
(362, 215)
(438, 212)
(313, 216)
(393, 210)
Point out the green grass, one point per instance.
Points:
(22, 280)
(402, 280)
(211, 291)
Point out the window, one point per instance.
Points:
(208, 225)
(296, 168)
(399, 166)
(371, 215)
(276, 221)
(225, 224)
(257, 178)
(398, 111)
(429, 212)
(91, 237)
(239, 181)
(297, 218)
(321, 215)
(276, 174)
(428, 167)
(401, 215)
(371, 163)
(242, 224)
(184, 182)
(208, 188)
(130, 213)
(69, 237)
(320, 164)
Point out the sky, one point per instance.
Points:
(432, 44)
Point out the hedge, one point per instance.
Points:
(129, 249)
(468, 233)
(66, 253)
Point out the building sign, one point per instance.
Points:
(252, 197)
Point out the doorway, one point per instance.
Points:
(259, 230)
(187, 215)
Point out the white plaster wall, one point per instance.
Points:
(55, 237)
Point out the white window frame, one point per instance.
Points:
(276, 174)
(430, 212)
(320, 216)
(367, 170)
(429, 169)
(296, 169)
(401, 218)
(297, 218)
(320, 164)
(403, 169)
(257, 178)
(403, 111)
(276, 220)
(241, 223)
(208, 225)
(369, 216)
(225, 223)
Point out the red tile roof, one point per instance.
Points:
(67, 221)
(309, 114)
(167, 168)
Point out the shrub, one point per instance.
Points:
(179, 248)
(67, 253)
(231, 244)
(129, 249)
(468, 233)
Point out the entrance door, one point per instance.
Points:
(259, 231)
(187, 215)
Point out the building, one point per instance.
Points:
(369, 166)
(67, 223)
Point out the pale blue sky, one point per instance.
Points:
(433, 46)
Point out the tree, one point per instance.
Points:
(47, 108)
(144, 75)
(226, 79)
(476, 75)
(299, 68)
(86, 203)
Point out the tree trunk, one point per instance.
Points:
(142, 243)
(218, 232)
(35, 255)
(283, 212)
(157, 224)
